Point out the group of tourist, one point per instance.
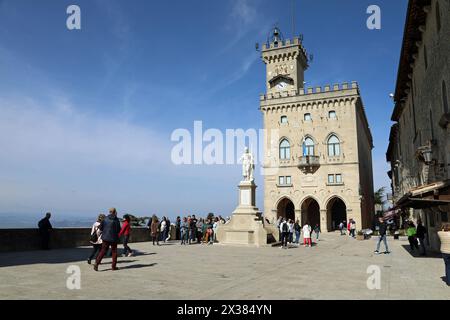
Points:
(188, 229)
(106, 233)
(349, 227)
(287, 228)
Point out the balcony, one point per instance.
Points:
(309, 163)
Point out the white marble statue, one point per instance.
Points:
(248, 165)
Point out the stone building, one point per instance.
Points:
(419, 142)
(318, 146)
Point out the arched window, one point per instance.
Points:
(285, 150)
(334, 146)
(444, 97)
(307, 117)
(308, 147)
(284, 119)
(438, 17)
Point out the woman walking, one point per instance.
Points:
(154, 230)
(96, 238)
(307, 235)
(125, 232)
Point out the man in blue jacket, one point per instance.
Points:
(110, 228)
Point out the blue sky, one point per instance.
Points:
(86, 116)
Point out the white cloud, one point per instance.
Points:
(244, 12)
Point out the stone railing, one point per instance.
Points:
(309, 161)
(28, 239)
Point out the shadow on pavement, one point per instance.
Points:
(133, 266)
(56, 256)
(138, 266)
(49, 256)
(418, 253)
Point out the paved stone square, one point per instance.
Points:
(336, 268)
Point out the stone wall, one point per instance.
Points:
(28, 239)
(419, 113)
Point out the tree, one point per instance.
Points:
(137, 221)
(379, 196)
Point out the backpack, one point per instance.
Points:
(94, 237)
(285, 227)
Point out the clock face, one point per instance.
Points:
(282, 85)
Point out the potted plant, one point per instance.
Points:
(360, 235)
(396, 235)
(444, 237)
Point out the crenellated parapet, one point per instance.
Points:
(285, 50)
(336, 88)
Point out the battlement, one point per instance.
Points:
(310, 91)
(284, 44)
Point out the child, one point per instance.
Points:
(125, 232)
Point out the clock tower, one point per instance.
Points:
(286, 62)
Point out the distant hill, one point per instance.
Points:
(12, 221)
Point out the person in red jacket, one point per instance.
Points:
(125, 232)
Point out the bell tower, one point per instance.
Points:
(286, 62)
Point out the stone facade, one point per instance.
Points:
(421, 109)
(317, 160)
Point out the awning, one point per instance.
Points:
(426, 196)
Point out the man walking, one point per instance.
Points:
(45, 228)
(110, 228)
(382, 231)
(284, 229)
(420, 234)
(341, 228)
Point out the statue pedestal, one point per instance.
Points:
(246, 226)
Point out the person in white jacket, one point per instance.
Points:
(307, 235)
(163, 229)
(96, 238)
